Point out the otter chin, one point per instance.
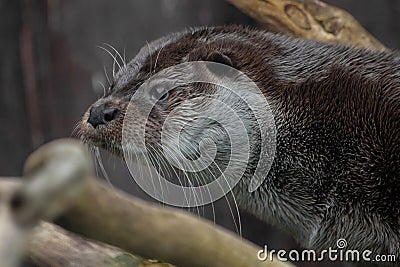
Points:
(336, 171)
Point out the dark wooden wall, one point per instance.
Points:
(50, 69)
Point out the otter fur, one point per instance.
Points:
(336, 172)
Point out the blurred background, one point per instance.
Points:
(51, 70)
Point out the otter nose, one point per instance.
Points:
(102, 115)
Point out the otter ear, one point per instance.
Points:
(203, 53)
(218, 57)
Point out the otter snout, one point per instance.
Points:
(102, 114)
(101, 125)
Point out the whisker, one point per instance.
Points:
(124, 55)
(77, 131)
(106, 74)
(145, 157)
(170, 151)
(113, 57)
(239, 229)
(158, 54)
(151, 58)
(152, 152)
(168, 168)
(118, 54)
(102, 169)
(104, 88)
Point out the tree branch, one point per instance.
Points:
(309, 19)
(54, 174)
(52, 246)
(152, 231)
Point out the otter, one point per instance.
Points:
(336, 171)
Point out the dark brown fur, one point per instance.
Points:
(336, 173)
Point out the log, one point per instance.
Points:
(52, 246)
(153, 231)
(309, 19)
(57, 177)
(23, 205)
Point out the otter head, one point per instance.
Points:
(157, 104)
(102, 123)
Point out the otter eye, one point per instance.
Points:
(159, 94)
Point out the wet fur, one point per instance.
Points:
(336, 173)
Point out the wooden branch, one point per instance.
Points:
(116, 218)
(103, 213)
(40, 196)
(52, 246)
(54, 177)
(152, 231)
(309, 19)
(13, 237)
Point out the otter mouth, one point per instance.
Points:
(93, 138)
(97, 137)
